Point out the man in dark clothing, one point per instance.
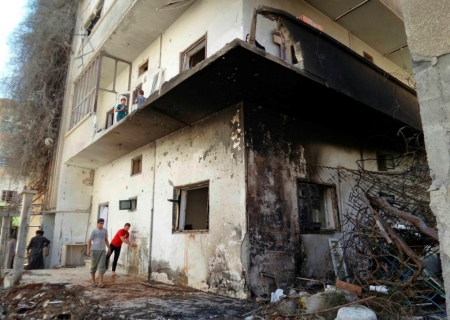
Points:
(35, 251)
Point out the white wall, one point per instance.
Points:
(202, 152)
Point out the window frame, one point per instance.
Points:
(130, 201)
(140, 165)
(8, 195)
(141, 67)
(192, 50)
(86, 88)
(332, 216)
(182, 191)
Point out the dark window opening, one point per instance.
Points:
(367, 56)
(130, 204)
(96, 15)
(109, 118)
(136, 165)
(143, 68)
(194, 54)
(317, 207)
(385, 162)
(8, 195)
(293, 56)
(191, 208)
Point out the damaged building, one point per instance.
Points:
(215, 170)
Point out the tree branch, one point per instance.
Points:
(418, 222)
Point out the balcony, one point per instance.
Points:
(333, 86)
(128, 27)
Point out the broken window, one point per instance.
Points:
(385, 162)
(143, 68)
(5, 162)
(317, 206)
(191, 208)
(8, 195)
(136, 165)
(194, 54)
(130, 204)
(94, 18)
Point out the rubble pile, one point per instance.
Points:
(47, 301)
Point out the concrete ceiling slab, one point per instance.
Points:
(376, 25)
(376, 22)
(140, 27)
(335, 8)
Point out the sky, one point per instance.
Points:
(13, 13)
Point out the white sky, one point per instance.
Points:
(13, 13)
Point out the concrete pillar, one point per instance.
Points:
(22, 236)
(427, 29)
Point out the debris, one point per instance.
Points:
(287, 306)
(277, 295)
(356, 313)
(342, 306)
(25, 305)
(18, 297)
(356, 290)
(381, 289)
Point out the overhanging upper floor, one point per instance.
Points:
(334, 87)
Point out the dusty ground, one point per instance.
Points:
(44, 294)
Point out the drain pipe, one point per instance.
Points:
(152, 215)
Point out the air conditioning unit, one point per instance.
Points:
(7, 118)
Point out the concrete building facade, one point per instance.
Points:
(214, 165)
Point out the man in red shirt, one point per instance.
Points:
(121, 236)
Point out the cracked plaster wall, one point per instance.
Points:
(213, 150)
(427, 30)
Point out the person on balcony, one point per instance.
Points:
(140, 99)
(122, 109)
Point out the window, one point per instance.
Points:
(385, 162)
(109, 118)
(8, 195)
(136, 165)
(191, 208)
(143, 68)
(130, 204)
(95, 16)
(136, 93)
(367, 56)
(98, 82)
(5, 162)
(317, 206)
(194, 54)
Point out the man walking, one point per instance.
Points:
(121, 236)
(96, 250)
(35, 251)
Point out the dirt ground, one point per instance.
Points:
(67, 294)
